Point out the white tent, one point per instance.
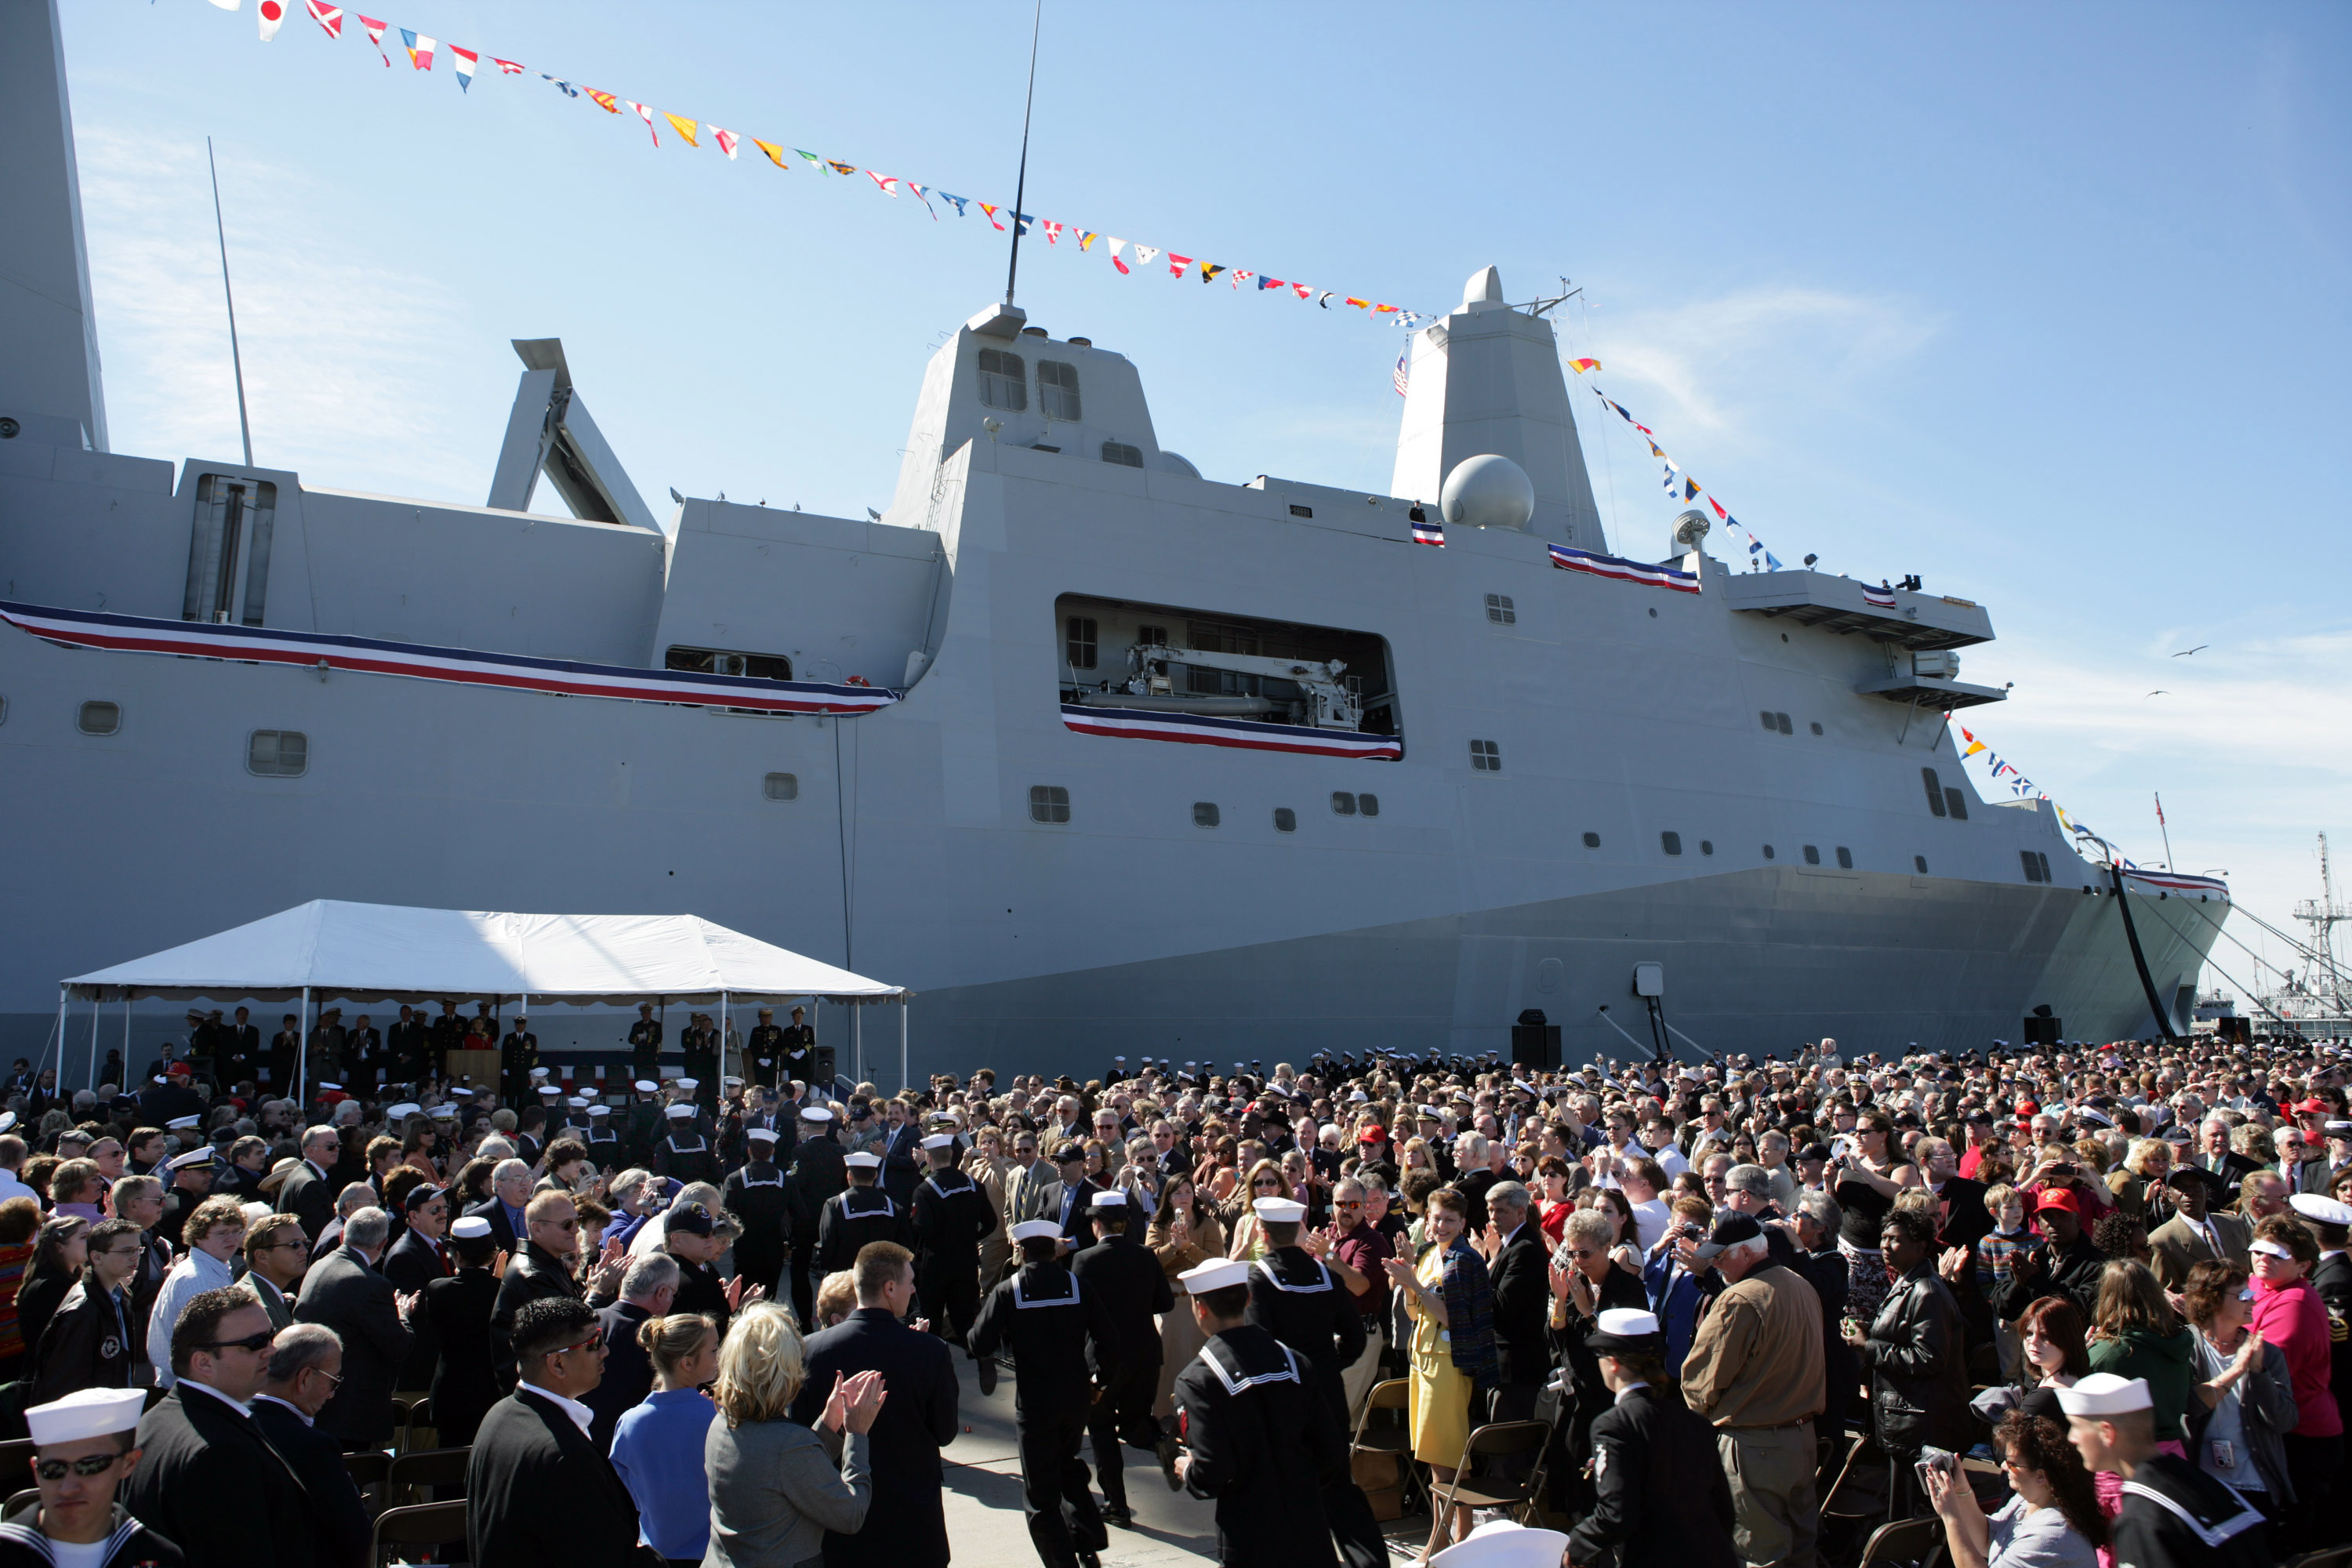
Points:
(388, 952)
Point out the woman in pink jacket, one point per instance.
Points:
(2288, 1313)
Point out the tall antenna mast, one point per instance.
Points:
(236, 360)
(1021, 185)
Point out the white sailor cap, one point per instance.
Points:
(687, 1084)
(2319, 1210)
(180, 1123)
(86, 1413)
(469, 1227)
(159, 1078)
(551, 1090)
(679, 1112)
(646, 1086)
(405, 1109)
(940, 1140)
(1216, 1274)
(761, 1134)
(538, 1072)
(864, 1159)
(1279, 1211)
(576, 1102)
(600, 1110)
(1505, 1544)
(323, 1085)
(7, 1120)
(1029, 1229)
(2104, 1393)
(816, 1113)
(1110, 1198)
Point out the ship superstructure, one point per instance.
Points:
(1097, 753)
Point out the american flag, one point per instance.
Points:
(1400, 377)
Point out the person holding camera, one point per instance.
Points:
(1867, 1173)
(2052, 1518)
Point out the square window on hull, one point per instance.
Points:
(1285, 820)
(1485, 757)
(277, 753)
(99, 717)
(780, 786)
(1205, 813)
(1049, 802)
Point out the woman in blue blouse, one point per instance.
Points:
(658, 1447)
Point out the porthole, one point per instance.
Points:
(1768, 852)
(4, 710)
(1672, 843)
(277, 753)
(1285, 820)
(1845, 858)
(1780, 722)
(1770, 722)
(1817, 726)
(99, 717)
(1921, 862)
(780, 786)
(1342, 804)
(1812, 855)
(1370, 804)
(1049, 802)
(1707, 846)
(1592, 841)
(1653, 613)
(1205, 813)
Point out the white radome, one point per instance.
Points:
(1487, 491)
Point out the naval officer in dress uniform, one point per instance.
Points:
(1257, 1439)
(766, 1049)
(1058, 1331)
(1298, 1300)
(858, 1213)
(518, 1054)
(1127, 1280)
(645, 1043)
(2174, 1514)
(799, 1045)
(950, 1215)
(1650, 1455)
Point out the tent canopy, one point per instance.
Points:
(389, 953)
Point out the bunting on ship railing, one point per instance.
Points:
(691, 130)
(463, 667)
(1682, 488)
(1623, 570)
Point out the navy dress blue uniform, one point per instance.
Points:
(950, 1215)
(906, 1525)
(2176, 1516)
(1062, 1341)
(455, 1320)
(817, 1173)
(1293, 1298)
(1649, 1454)
(1127, 1280)
(852, 1218)
(1260, 1440)
(760, 1196)
(686, 1156)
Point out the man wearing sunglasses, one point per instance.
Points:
(208, 1477)
(537, 1489)
(84, 1444)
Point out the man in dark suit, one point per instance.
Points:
(647, 1290)
(1133, 1288)
(542, 1270)
(1518, 1268)
(539, 1494)
(208, 1480)
(2215, 1155)
(409, 1047)
(902, 1156)
(304, 1362)
(1069, 1201)
(419, 1258)
(237, 1051)
(345, 1293)
(276, 1256)
(309, 1193)
(906, 1525)
(363, 1060)
(509, 1191)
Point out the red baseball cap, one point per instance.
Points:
(2313, 1107)
(1373, 1135)
(2060, 1198)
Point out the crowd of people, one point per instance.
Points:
(2082, 1304)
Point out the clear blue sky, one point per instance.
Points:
(2047, 305)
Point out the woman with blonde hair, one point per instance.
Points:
(1184, 1232)
(658, 1446)
(1265, 1181)
(774, 1487)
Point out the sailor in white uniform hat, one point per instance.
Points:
(2174, 1514)
(85, 1445)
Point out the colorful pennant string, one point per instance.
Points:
(420, 48)
(1679, 485)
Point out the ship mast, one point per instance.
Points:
(2322, 915)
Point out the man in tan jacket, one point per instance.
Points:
(1754, 1371)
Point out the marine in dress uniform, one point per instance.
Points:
(1650, 1454)
(766, 1050)
(1064, 1345)
(858, 1213)
(818, 1174)
(2174, 1514)
(1133, 1288)
(951, 1216)
(1297, 1299)
(686, 1155)
(1257, 1438)
(760, 1196)
(799, 1049)
(645, 1043)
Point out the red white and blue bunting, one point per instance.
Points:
(462, 667)
(1244, 734)
(1624, 571)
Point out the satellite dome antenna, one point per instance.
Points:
(1021, 184)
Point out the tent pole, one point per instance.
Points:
(857, 1039)
(126, 1032)
(61, 1045)
(903, 1082)
(98, 1011)
(302, 1050)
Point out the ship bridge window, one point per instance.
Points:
(1342, 804)
(1004, 380)
(1500, 611)
(1672, 843)
(1080, 641)
(1205, 813)
(1122, 454)
(1058, 391)
(1151, 636)
(1049, 802)
(1285, 820)
(1956, 803)
(233, 530)
(99, 717)
(1934, 791)
(277, 753)
(780, 786)
(1485, 757)
(722, 661)
(2037, 865)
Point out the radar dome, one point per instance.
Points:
(1487, 491)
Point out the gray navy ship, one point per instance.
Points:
(1099, 755)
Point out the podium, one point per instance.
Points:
(482, 1066)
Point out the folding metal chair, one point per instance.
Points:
(1393, 1440)
(1497, 1440)
(417, 1417)
(368, 1468)
(441, 1468)
(1906, 1542)
(434, 1524)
